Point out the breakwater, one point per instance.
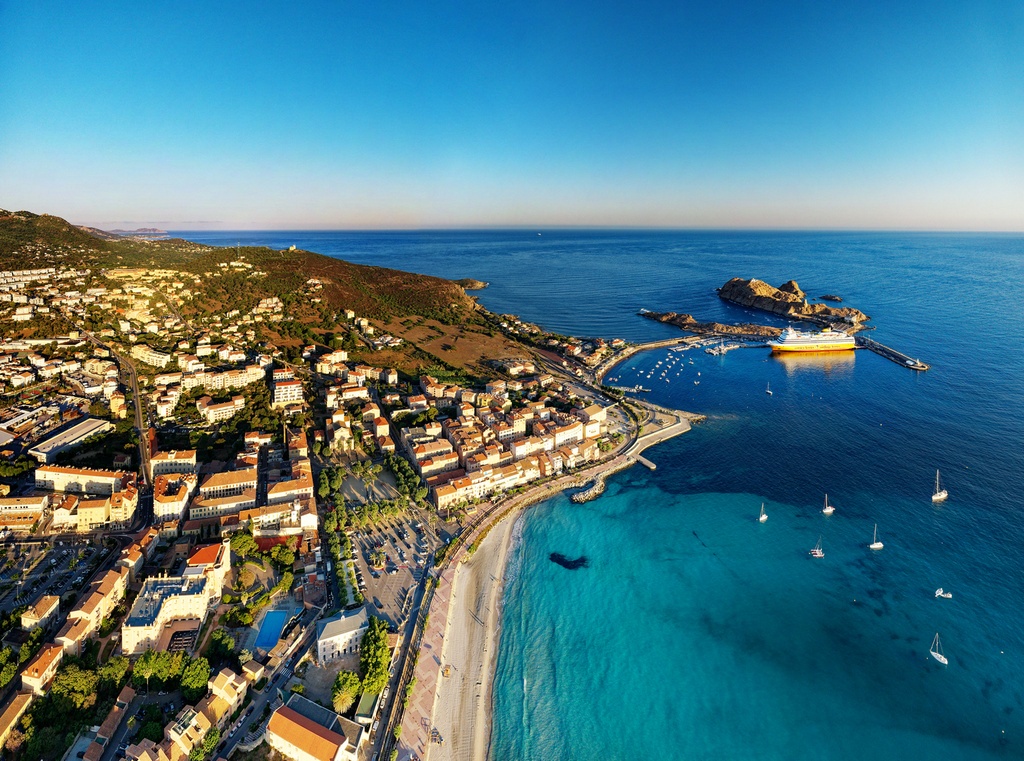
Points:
(891, 354)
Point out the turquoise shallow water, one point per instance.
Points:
(696, 632)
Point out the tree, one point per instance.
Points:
(145, 667)
(112, 674)
(194, 679)
(282, 557)
(374, 656)
(76, 685)
(323, 485)
(244, 656)
(222, 646)
(205, 748)
(244, 545)
(343, 693)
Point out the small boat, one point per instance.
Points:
(817, 552)
(936, 651)
(940, 592)
(940, 493)
(828, 509)
(875, 544)
(764, 515)
(696, 383)
(769, 389)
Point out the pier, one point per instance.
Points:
(891, 354)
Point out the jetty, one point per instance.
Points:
(891, 354)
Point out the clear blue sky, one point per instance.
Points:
(348, 114)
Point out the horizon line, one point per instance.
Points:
(596, 228)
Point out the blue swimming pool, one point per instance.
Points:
(270, 629)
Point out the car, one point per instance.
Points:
(374, 728)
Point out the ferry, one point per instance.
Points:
(826, 340)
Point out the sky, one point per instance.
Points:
(379, 114)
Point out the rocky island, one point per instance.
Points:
(788, 300)
(688, 322)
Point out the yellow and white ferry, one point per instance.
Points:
(826, 340)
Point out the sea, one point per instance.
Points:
(696, 632)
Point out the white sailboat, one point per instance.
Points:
(936, 651)
(828, 509)
(769, 389)
(940, 493)
(764, 515)
(940, 592)
(817, 552)
(875, 544)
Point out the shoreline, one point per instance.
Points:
(464, 638)
(464, 700)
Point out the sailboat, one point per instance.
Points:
(940, 592)
(875, 544)
(940, 493)
(827, 509)
(817, 552)
(936, 651)
(769, 389)
(764, 515)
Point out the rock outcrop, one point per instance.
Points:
(687, 322)
(471, 284)
(786, 301)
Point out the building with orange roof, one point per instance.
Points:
(73, 635)
(181, 462)
(42, 613)
(305, 731)
(12, 714)
(40, 670)
(228, 483)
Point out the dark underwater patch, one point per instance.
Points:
(572, 565)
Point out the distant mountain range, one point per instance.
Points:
(140, 231)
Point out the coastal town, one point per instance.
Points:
(221, 542)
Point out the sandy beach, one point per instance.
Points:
(462, 707)
(465, 618)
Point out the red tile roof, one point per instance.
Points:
(205, 555)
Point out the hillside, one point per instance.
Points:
(441, 326)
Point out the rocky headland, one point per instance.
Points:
(470, 284)
(688, 322)
(786, 301)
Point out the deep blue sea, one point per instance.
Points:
(697, 632)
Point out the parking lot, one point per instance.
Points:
(408, 545)
(35, 569)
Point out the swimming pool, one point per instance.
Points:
(270, 629)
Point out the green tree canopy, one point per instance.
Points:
(374, 656)
(76, 685)
(244, 545)
(343, 693)
(194, 679)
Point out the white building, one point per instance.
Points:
(341, 634)
(46, 451)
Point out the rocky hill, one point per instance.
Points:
(688, 322)
(788, 300)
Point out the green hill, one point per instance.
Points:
(440, 324)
